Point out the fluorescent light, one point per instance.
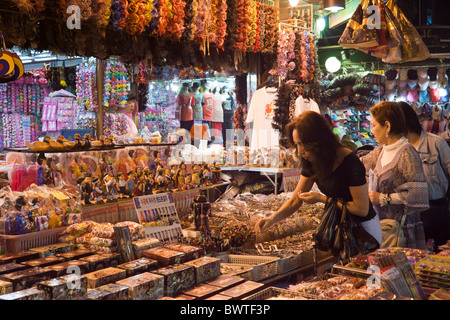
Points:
(45, 59)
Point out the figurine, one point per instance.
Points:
(111, 188)
(216, 173)
(169, 183)
(79, 143)
(139, 190)
(206, 175)
(122, 184)
(179, 179)
(130, 184)
(195, 180)
(187, 182)
(149, 181)
(97, 190)
(52, 174)
(201, 209)
(160, 181)
(87, 141)
(86, 190)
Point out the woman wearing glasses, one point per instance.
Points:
(335, 169)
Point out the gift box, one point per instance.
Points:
(43, 262)
(226, 281)
(190, 251)
(101, 277)
(206, 268)
(138, 266)
(203, 291)
(53, 249)
(176, 278)
(243, 290)
(5, 287)
(68, 287)
(11, 267)
(144, 244)
(19, 257)
(110, 291)
(76, 254)
(144, 286)
(164, 256)
(101, 261)
(25, 279)
(26, 294)
(76, 266)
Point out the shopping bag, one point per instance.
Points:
(356, 33)
(396, 38)
(325, 232)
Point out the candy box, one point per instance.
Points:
(68, 287)
(5, 287)
(190, 251)
(176, 278)
(144, 244)
(218, 297)
(53, 249)
(110, 291)
(203, 291)
(138, 266)
(184, 297)
(26, 278)
(101, 277)
(26, 294)
(242, 290)
(76, 254)
(225, 281)
(113, 258)
(206, 268)
(69, 267)
(164, 256)
(18, 257)
(11, 267)
(43, 262)
(144, 286)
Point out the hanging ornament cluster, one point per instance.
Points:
(114, 123)
(86, 91)
(116, 85)
(297, 56)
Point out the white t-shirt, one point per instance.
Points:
(218, 107)
(260, 113)
(302, 104)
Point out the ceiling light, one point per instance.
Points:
(321, 24)
(293, 3)
(333, 5)
(332, 64)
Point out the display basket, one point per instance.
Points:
(271, 292)
(289, 263)
(245, 270)
(263, 266)
(21, 242)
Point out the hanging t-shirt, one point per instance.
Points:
(186, 102)
(260, 113)
(302, 105)
(198, 108)
(208, 106)
(228, 108)
(219, 99)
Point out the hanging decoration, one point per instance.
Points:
(119, 13)
(86, 92)
(286, 55)
(271, 19)
(116, 85)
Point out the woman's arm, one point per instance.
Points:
(289, 207)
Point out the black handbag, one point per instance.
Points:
(351, 238)
(325, 232)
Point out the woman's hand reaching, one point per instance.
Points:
(312, 197)
(262, 225)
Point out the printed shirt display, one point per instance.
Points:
(198, 108)
(260, 113)
(302, 104)
(186, 101)
(208, 106)
(228, 108)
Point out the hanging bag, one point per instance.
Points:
(6, 60)
(356, 34)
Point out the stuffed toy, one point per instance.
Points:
(413, 88)
(433, 87)
(423, 85)
(402, 84)
(391, 85)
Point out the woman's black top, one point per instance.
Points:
(350, 173)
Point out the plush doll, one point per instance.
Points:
(413, 89)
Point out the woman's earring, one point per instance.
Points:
(387, 134)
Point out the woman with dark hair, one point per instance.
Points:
(435, 155)
(397, 185)
(336, 170)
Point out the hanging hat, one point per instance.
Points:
(416, 108)
(423, 83)
(424, 96)
(391, 74)
(443, 92)
(432, 73)
(434, 91)
(402, 93)
(403, 74)
(402, 84)
(412, 95)
(412, 74)
(441, 77)
(391, 84)
(422, 73)
(390, 95)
